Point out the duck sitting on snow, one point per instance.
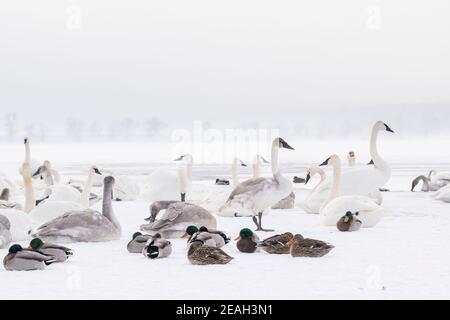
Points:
(247, 241)
(302, 247)
(157, 248)
(60, 253)
(139, 240)
(277, 244)
(200, 254)
(213, 238)
(349, 222)
(19, 259)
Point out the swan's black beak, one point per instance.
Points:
(285, 145)
(308, 177)
(325, 163)
(25, 141)
(179, 159)
(264, 160)
(388, 129)
(183, 197)
(370, 163)
(38, 172)
(97, 171)
(243, 164)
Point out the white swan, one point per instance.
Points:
(335, 206)
(84, 225)
(34, 165)
(351, 158)
(257, 161)
(125, 189)
(443, 194)
(364, 180)
(234, 171)
(259, 194)
(314, 200)
(164, 184)
(19, 220)
(66, 192)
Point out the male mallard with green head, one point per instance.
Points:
(60, 253)
(247, 241)
(349, 222)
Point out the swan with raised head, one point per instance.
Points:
(164, 184)
(66, 192)
(20, 221)
(333, 208)
(234, 173)
(86, 225)
(257, 161)
(34, 165)
(314, 200)
(259, 194)
(364, 180)
(351, 158)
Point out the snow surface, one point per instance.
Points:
(406, 256)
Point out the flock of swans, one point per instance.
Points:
(45, 210)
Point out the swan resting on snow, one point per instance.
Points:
(332, 210)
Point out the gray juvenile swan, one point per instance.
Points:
(84, 226)
(177, 217)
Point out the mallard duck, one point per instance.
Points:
(157, 248)
(5, 232)
(139, 240)
(210, 237)
(277, 244)
(200, 254)
(247, 241)
(301, 247)
(177, 215)
(349, 222)
(60, 253)
(19, 259)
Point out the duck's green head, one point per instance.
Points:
(136, 234)
(191, 230)
(245, 234)
(348, 217)
(15, 248)
(36, 244)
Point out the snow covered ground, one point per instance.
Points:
(406, 256)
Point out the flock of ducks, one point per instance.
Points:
(43, 208)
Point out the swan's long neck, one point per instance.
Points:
(234, 173)
(27, 153)
(56, 175)
(183, 177)
(107, 208)
(30, 199)
(322, 178)
(87, 188)
(377, 160)
(49, 178)
(274, 163)
(256, 168)
(334, 192)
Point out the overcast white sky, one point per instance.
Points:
(206, 59)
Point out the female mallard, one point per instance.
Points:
(301, 247)
(172, 223)
(139, 240)
(277, 244)
(157, 248)
(349, 222)
(60, 253)
(247, 241)
(19, 259)
(200, 254)
(212, 238)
